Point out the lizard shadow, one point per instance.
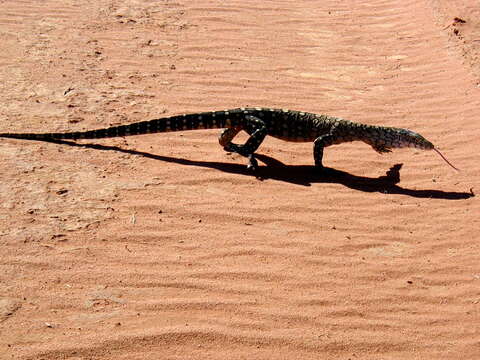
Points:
(386, 184)
(298, 174)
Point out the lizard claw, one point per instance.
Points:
(252, 163)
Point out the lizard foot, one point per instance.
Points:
(240, 149)
(252, 163)
(230, 147)
(381, 148)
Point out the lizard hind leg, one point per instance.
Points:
(227, 136)
(257, 130)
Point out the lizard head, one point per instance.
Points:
(408, 138)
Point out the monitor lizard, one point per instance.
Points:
(288, 125)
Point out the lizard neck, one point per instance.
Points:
(379, 137)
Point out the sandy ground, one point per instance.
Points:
(165, 247)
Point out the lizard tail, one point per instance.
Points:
(207, 120)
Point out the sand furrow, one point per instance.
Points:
(165, 246)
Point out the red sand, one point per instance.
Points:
(167, 248)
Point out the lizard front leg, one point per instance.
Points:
(318, 145)
(257, 130)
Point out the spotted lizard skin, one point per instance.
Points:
(288, 125)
